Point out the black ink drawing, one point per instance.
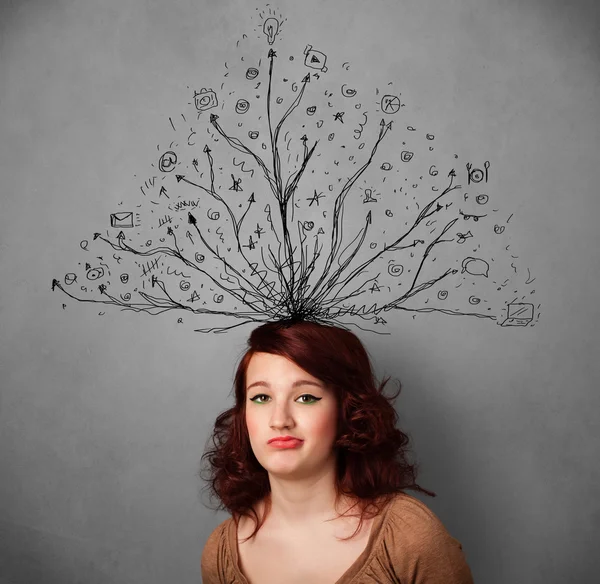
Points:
(251, 220)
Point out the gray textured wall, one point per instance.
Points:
(103, 419)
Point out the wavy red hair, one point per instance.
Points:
(372, 464)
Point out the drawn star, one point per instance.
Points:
(339, 116)
(315, 198)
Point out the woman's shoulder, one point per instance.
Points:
(213, 549)
(418, 543)
(413, 518)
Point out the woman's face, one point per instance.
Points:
(283, 399)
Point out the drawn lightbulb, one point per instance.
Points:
(271, 28)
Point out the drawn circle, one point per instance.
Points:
(389, 213)
(124, 278)
(474, 300)
(70, 278)
(242, 106)
(279, 100)
(199, 257)
(390, 104)
(311, 110)
(411, 129)
(405, 155)
(442, 294)
(499, 229)
(83, 245)
(253, 135)
(476, 175)
(331, 136)
(482, 199)
(308, 225)
(319, 123)
(386, 166)
(184, 285)
(167, 161)
(252, 73)
(214, 216)
(373, 245)
(361, 145)
(95, 273)
(218, 298)
(395, 269)
(126, 297)
(347, 92)
(180, 321)
(429, 136)
(149, 243)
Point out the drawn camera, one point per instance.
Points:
(205, 99)
(476, 175)
(315, 59)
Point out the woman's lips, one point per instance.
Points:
(293, 443)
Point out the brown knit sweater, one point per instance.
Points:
(408, 544)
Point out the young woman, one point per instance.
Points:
(312, 469)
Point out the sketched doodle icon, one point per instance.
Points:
(315, 59)
(390, 104)
(121, 219)
(205, 99)
(167, 163)
(476, 175)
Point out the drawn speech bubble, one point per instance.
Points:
(475, 267)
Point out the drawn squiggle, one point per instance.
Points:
(241, 166)
(176, 273)
(358, 133)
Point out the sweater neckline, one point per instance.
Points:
(361, 563)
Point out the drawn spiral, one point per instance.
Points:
(395, 270)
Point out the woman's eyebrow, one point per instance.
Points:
(294, 385)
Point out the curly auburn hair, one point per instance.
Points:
(372, 465)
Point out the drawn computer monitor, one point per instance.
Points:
(519, 314)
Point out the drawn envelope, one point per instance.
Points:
(121, 219)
